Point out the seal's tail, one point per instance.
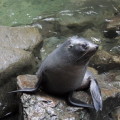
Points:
(96, 94)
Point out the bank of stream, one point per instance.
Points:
(37, 27)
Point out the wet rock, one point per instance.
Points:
(116, 114)
(110, 94)
(85, 14)
(49, 45)
(113, 23)
(115, 49)
(112, 29)
(8, 102)
(48, 26)
(103, 61)
(75, 21)
(26, 38)
(13, 61)
(94, 35)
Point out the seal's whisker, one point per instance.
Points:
(81, 56)
(84, 60)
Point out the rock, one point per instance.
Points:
(8, 102)
(116, 114)
(26, 38)
(13, 61)
(17, 56)
(48, 26)
(43, 106)
(107, 80)
(18, 44)
(76, 21)
(38, 106)
(60, 110)
(27, 81)
(110, 95)
(113, 23)
(115, 50)
(112, 27)
(110, 77)
(94, 35)
(49, 45)
(103, 61)
(117, 78)
(93, 70)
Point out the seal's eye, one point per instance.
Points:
(85, 46)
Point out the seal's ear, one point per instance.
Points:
(96, 94)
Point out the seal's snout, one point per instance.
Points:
(93, 48)
(96, 47)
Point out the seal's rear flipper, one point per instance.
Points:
(96, 94)
(78, 103)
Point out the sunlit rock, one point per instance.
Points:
(13, 61)
(26, 38)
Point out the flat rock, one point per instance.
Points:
(26, 38)
(27, 81)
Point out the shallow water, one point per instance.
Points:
(21, 12)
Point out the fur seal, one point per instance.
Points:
(65, 70)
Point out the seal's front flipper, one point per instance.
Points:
(29, 90)
(78, 103)
(26, 90)
(96, 94)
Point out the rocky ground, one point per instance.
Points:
(18, 49)
(20, 56)
(43, 106)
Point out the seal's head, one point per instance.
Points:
(80, 49)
